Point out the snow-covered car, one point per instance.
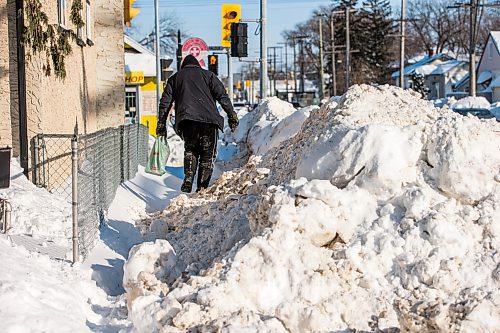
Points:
(478, 112)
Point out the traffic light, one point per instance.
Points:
(129, 12)
(239, 40)
(213, 64)
(231, 13)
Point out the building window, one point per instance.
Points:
(131, 106)
(80, 39)
(88, 23)
(61, 13)
(490, 50)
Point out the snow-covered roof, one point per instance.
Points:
(447, 66)
(462, 81)
(495, 83)
(483, 77)
(411, 69)
(136, 46)
(137, 62)
(495, 36)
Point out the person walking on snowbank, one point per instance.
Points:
(194, 91)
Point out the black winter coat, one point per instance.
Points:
(194, 92)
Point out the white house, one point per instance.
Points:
(411, 70)
(489, 67)
(441, 78)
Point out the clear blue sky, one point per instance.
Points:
(202, 18)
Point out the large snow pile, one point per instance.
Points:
(32, 207)
(272, 122)
(382, 212)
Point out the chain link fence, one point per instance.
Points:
(89, 173)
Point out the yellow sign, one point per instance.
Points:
(134, 77)
(231, 13)
(238, 85)
(247, 83)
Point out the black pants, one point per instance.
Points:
(200, 151)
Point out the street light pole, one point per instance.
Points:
(263, 49)
(158, 68)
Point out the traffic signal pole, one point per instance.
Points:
(402, 47)
(158, 70)
(229, 75)
(263, 49)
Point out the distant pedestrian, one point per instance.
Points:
(194, 91)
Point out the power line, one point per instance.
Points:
(177, 3)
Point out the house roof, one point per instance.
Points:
(439, 69)
(410, 70)
(138, 48)
(464, 80)
(495, 36)
(495, 83)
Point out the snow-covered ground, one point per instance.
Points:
(377, 211)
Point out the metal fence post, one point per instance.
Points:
(36, 149)
(74, 194)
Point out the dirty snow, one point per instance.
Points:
(376, 211)
(382, 212)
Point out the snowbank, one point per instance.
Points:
(477, 102)
(35, 211)
(264, 128)
(41, 295)
(495, 110)
(382, 212)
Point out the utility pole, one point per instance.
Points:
(272, 62)
(286, 68)
(302, 70)
(321, 74)
(348, 50)
(473, 5)
(263, 49)
(472, 46)
(332, 43)
(402, 47)
(158, 68)
(294, 65)
(274, 72)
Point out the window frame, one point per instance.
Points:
(88, 23)
(62, 18)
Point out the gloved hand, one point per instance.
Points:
(161, 129)
(233, 121)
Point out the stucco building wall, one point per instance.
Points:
(5, 118)
(110, 63)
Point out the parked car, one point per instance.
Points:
(478, 112)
